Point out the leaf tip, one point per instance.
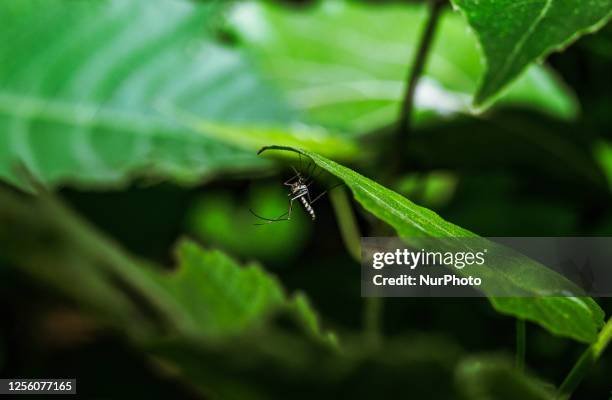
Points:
(276, 147)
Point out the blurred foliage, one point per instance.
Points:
(208, 297)
(434, 189)
(145, 118)
(84, 79)
(493, 377)
(532, 144)
(209, 300)
(353, 79)
(221, 219)
(603, 153)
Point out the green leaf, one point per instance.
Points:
(89, 93)
(223, 298)
(342, 75)
(513, 34)
(493, 377)
(577, 317)
(220, 297)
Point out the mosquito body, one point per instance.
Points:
(298, 190)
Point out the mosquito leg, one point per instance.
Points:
(325, 191)
(290, 208)
(318, 197)
(311, 179)
(279, 218)
(301, 194)
(301, 172)
(310, 170)
(269, 220)
(294, 177)
(300, 158)
(318, 174)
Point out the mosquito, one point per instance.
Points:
(298, 190)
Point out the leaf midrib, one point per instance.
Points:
(82, 115)
(509, 61)
(388, 205)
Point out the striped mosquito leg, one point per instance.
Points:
(308, 208)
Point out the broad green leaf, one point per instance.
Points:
(513, 34)
(347, 76)
(88, 90)
(209, 297)
(494, 377)
(577, 317)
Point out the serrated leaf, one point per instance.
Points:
(513, 34)
(342, 75)
(221, 297)
(224, 298)
(577, 317)
(85, 89)
(493, 377)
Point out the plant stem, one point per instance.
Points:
(585, 362)
(418, 65)
(346, 222)
(372, 319)
(520, 344)
(373, 308)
